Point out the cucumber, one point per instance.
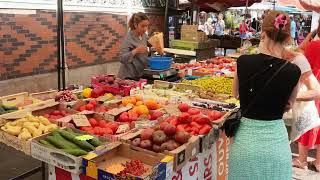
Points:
(65, 141)
(47, 144)
(2, 109)
(95, 141)
(82, 144)
(75, 152)
(9, 111)
(7, 108)
(57, 142)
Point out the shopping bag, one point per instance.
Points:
(304, 118)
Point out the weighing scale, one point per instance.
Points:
(170, 75)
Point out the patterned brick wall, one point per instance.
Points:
(28, 42)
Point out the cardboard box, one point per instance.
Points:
(158, 164)
(62, 159)
(206, 141)
(191, 33)
(181, 155)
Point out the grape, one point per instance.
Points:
(217, 85)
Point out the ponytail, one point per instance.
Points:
(136, 18)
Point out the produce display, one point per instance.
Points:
(7, 109)
(101, 127)
(143, 121)
(29, 127)
(57, 114)
(132, 167)
(215, 106)
(69, 142)
(161, 139)
(147, 108)
(91, 105)
(213, 85)
(65, 96)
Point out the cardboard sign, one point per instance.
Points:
(222, 147)
(103, 98)
(172, 110)
(80, 120)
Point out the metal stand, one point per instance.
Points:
(24, 175)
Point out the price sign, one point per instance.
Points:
(80, 120)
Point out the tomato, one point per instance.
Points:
(93, 102)
(93, 122)
(102, 123)
(82, 108)
(89, 107)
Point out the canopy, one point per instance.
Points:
(220, 5)
(311, 5)
(267, 5)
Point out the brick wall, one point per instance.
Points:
(28, 42)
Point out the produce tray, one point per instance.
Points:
(45, 95)
(181, 155)
(62, 159)
(206, 141)
(18, 99)
(13, 141)
(159, 165)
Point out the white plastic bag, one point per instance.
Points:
(304, 118)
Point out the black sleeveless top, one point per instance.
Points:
(271, 102)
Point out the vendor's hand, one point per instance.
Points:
(140, 50)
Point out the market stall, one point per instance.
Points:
(103, 131)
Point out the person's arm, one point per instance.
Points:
(313, 86)
(305, 42)
(127, 53)
(292, 98)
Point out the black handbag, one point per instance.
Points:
(232, 122)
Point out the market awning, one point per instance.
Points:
(310, 5)
(220, 5)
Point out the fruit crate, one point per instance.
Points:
(21, 100)
(158, 165)
(181, 155)
(63, 160)
(118, 86)
(45, 95)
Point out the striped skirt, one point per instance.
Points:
(260, 151)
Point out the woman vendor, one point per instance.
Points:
(134, 50)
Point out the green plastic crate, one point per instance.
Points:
(186, 45)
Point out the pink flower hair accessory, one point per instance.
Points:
(281, 19)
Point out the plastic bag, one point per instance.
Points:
(157, 42)
(304, 118)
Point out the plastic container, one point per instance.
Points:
(160, 62)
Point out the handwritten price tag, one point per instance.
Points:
(80, 120)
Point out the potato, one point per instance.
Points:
(25, 135)
(13, 130)
(42, 128)
(44, 120)
(52, 127)
(36, 124)
(29, 126)
(36, 133)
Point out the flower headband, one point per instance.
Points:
(280, 21)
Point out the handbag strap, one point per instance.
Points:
(264, 87)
